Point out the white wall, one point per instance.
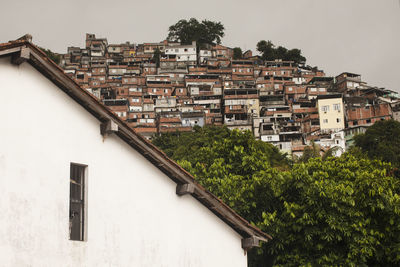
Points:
(134, 216)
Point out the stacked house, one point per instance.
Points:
(168, 86)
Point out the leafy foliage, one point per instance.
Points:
(334, 212)
(156, 57)
(270, 52)
(381, 141)
(237, 53)
(204, 32)
(311, 151)
(341, 212)
(314, 151)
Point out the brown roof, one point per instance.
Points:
(22, 50)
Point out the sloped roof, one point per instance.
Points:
(23, 50)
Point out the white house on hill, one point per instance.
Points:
(81, 188)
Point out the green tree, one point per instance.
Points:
(381, 141)
(237, 53)
(267, 50)
(204, 32)
(270, 52)
(341, 212)
(156, 57)
(311, 151)
(314, 151)
(335, 212)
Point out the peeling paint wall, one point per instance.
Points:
(134, 216)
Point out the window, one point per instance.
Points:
(338, 120)
(325, 108)
(325, 121)
(77, 198)
(336, 107)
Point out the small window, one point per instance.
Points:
(325, 121)
(325, 108)
(338, 120)
(336, 107)
(77, 198)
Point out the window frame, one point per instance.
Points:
(82, 169)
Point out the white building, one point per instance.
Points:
(331, 112)
(182, 52)
(204, 55)
(337, 141)
(81, 188)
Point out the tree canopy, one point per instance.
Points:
(156, 57)
(237, 53)
(204, 32)
(334, 212)
(270, 52)
(339, 212)
(381, 141)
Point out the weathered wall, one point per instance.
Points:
(134, 216)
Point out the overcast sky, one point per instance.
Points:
(360, 36)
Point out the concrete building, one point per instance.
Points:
(186, 53)
(331, 112)
(82, 188)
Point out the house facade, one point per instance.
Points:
(81, 188)
(331, 114)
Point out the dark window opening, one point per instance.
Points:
(77, 197)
